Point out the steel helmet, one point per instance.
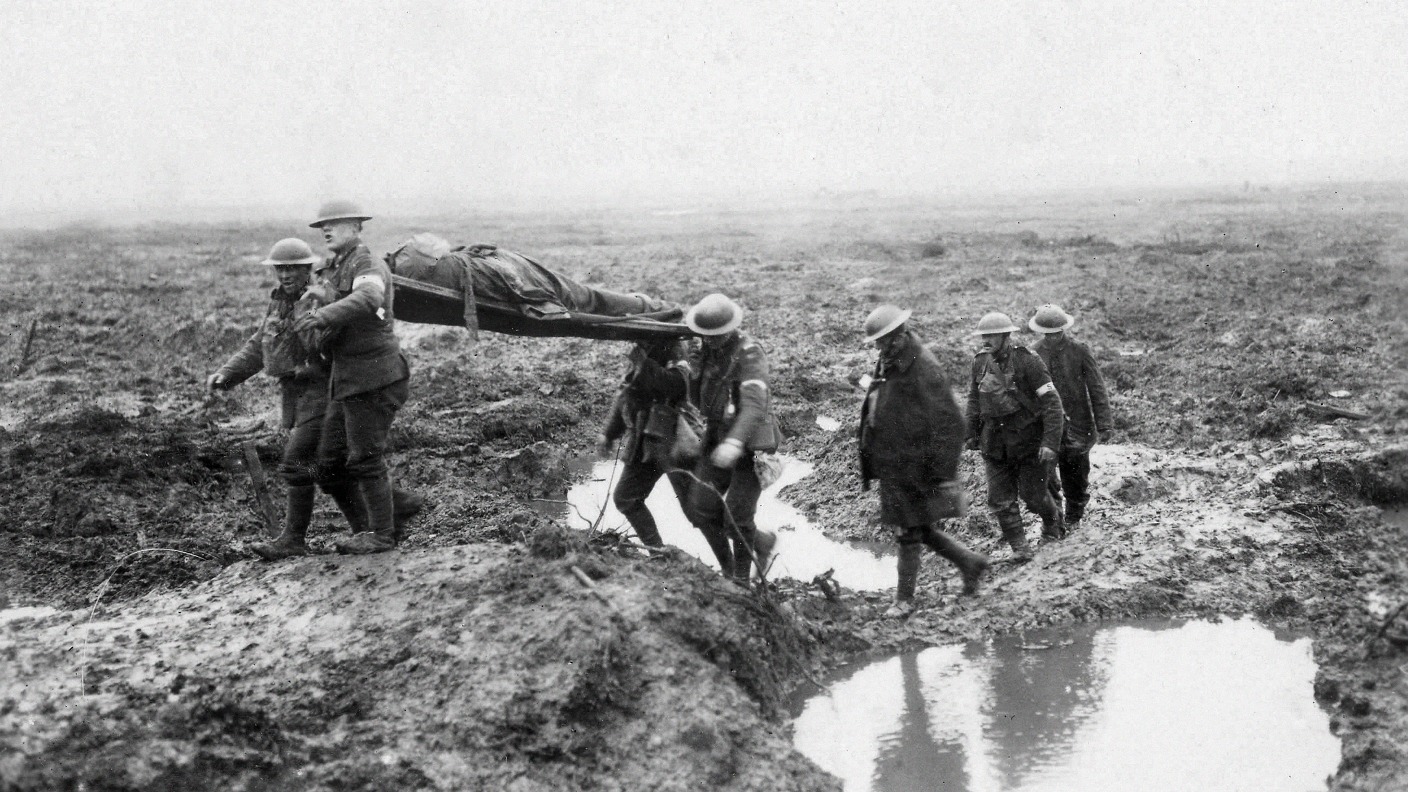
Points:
(1050, 319)
(883, 320)
(714, 315)
(995, 322)
(338, 210)
(290, 251)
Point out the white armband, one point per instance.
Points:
(756, 382)
(1045, 389)
(365, 279)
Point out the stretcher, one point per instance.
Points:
(486, 287)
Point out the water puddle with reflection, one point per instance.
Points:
(1149, 706)
(802, 550)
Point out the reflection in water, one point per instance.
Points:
(911, 759)
(1153, 707)
(803, 551)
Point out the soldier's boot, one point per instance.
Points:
(1075, 512)
(404, 506)
(643, 523)
(348, 498)
(1015, 534)
(380, 535)
(911, 556)
(292, 541)
(1053, 529)
(970, 564)
(743, 550)
(649, 535)
(723, 550)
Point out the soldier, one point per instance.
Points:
(1084, 400)
(728, 382)
(303, 382)
(911, 436)
(644, 418)
(370, 376)
(1014, 419)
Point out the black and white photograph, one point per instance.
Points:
(844, 396)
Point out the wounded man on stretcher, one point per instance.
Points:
(486, 287)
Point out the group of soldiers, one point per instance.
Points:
(1033, 415)
(698, 415)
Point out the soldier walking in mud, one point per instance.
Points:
(1015, 421)
(370, 376)
(1083, 397)
(728, 382)
(644, 417)
(911, 437)
(287, 356)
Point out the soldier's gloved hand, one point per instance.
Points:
(216, 382)
(603, 446)
(308, 322)
(727, 453)
(1046, 455)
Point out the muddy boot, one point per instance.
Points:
(649, 535)
(743, 555)
(911, 555)
(380, 535)
(1053, 530)
(970, 564)
(1015, 534)
(643, 523)
(292, 541)
(349, 501)
(723, 550)
(404, 506)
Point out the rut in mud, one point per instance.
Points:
(1223, 492)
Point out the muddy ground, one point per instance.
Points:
(150, 653)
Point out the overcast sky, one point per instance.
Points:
(415, 105)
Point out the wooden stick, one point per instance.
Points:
(1338, 412)
(264, 505)
(23, 359)
(591, 586)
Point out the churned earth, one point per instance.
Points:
(149, 652)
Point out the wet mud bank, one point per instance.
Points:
(475, 657)
(474, 667)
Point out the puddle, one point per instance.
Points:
(1153, 706)
(803, 552)
(9, 616)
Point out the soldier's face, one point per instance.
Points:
(995, 342)
(716, 341)
(888, 340)
(293, 278)
(340, 235)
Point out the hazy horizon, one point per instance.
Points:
(120, 108)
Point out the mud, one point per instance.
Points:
(1221, 492)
